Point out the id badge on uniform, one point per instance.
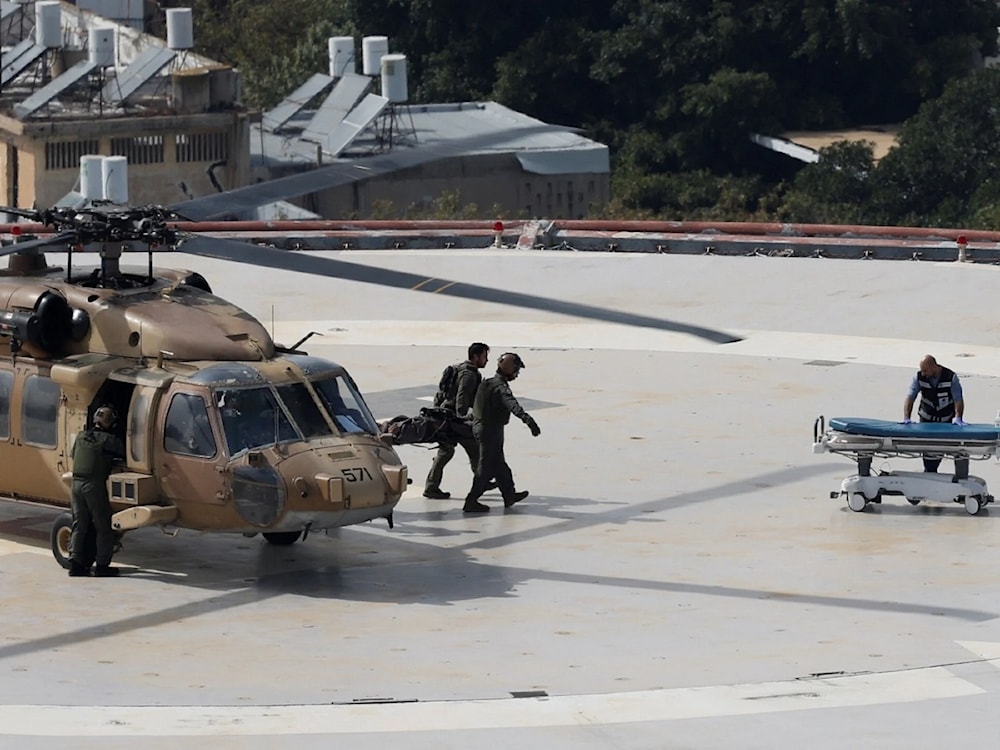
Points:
(943, 401)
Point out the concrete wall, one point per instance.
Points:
(495, 183)
(169, 157)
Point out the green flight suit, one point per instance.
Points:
(93, 540)
(490, 414)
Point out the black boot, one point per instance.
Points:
(105, 571)
(515, 498)
(76, 570)
(474, 506)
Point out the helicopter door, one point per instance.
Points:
(188, 451)
(34, 453)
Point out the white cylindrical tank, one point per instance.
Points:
(180, 29)
(114, 178)
(48, 24)
(92, 177)
(341, 51)
(373, 48)
(101, 46)
(394, 78)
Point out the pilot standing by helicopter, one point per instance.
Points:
(491, 412)
(94, 453)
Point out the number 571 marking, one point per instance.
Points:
(358, 474)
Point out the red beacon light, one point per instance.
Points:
(497, 234)
(961, 248)
(16, 230)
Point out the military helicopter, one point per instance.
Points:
(225, 430)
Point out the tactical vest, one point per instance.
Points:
(448, 387)
(936, 401)
(92, 456)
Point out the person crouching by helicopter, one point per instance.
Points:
(490, 414)
(94, 453)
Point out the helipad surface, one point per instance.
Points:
(678, 578)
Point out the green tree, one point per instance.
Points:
(943, 170)
(835, 190)
(276, 44)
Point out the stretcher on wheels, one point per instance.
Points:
(864, 440)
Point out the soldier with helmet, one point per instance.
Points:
(491, 412)
(94, 453)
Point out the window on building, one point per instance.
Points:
(202, 147)
(141, 149)
(66, 154)
(39, 412)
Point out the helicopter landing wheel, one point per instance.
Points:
(282, 538)
(59, 536)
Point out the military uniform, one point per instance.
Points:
(459, 401)
(94, 454)
(491, 412)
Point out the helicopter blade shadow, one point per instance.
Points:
(111, 629)
(242, 252)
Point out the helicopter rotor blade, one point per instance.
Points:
(240, 201)
(241, 252)
(52, 241)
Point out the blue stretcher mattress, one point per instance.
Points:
(940, 430)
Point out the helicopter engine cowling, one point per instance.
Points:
(45, 329)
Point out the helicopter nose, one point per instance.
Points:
(396, 477)
(332, 488)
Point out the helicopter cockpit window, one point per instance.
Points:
(6, 386)
(304, 411)
(251, 418)
(187, 430)
(40, 412)
(348, 409)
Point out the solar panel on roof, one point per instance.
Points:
(19, 59)
(150, 62)
(357, 120)
(336, 106)
(53, 88)
(291, 104)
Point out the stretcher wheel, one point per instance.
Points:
(973, 503)
(913, 500)
(857, 502)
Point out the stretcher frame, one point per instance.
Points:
(980, 442)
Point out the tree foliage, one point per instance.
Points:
(675, 87)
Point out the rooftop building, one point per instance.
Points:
(76, 84)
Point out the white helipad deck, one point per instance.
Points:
(678, 578)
